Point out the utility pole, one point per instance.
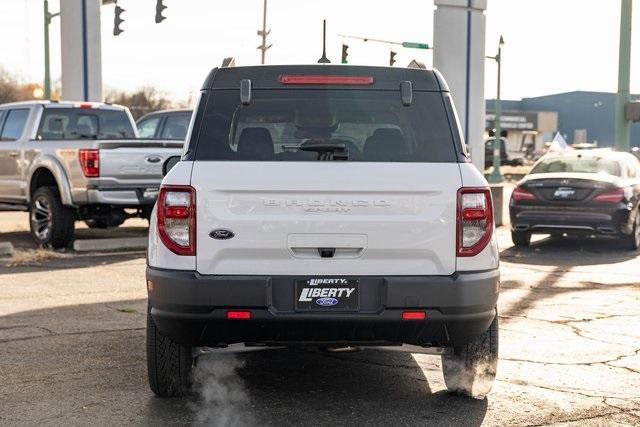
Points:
(264, 33)
(496, 175)
(47, 69)
(622, 134)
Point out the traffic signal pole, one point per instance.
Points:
(622, 130)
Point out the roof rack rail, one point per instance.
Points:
(228, 62)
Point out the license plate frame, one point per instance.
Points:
(327, 294)
(564, 192)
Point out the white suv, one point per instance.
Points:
(328, 206)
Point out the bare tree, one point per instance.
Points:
(140, 102)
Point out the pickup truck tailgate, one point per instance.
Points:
(134, 163)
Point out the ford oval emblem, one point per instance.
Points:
(326, 302)
(221, 234)
(153, 159)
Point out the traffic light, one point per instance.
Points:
(159, 8)
(392, 58)
(117, 20)
(344, 53)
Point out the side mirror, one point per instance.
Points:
(169, 164)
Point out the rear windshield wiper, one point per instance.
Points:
(325, 150)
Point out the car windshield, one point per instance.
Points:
(578, 164)
(84, 123)
(308, 125)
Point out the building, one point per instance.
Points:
(581, 117)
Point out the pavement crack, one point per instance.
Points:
(102, 331)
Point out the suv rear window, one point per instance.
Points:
(80, 123)
(362, 125)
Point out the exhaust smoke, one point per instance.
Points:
(221, 396)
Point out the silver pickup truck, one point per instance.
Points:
(72, 161)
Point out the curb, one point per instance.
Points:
(87, 245)
(6, 249)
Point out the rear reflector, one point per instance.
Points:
(326, 80)
(238, 315)
(414, 315)
(615, 196)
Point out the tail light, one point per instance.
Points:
(615, 196)
(520, 193)
(475, 220)
(90, 162)
(177, 219)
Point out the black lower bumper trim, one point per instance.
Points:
(192, 309)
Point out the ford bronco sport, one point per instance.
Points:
(327, 206)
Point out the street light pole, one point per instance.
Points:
(496, 175)
(622, 134)
(47, 71)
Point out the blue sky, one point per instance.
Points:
(551, 45)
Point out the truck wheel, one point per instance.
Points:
(470, 369)
(632, 241)
(51, 223)
(521, 238)
(168, 364)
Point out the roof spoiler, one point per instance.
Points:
(228, 62)
(417, 64)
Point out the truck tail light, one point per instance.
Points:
(520, 193)
(90, 162)
(177, 218)
(475, 221)
(615, 196)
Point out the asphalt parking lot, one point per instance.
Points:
(72, 350)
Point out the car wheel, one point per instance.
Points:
(169, 364)
(470, 369)
(51, 223)
(521, 238)
(632, 241)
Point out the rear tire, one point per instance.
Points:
(520, 238)
(51, 223)
(169, 364)
(470, 370)
(632, 241)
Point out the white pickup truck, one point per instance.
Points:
(69, 161)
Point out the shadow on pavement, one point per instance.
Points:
(568, 251)
(28, 258)
(94, 369)
(22, 239)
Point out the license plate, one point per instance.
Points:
(327, 294)
(564, 192)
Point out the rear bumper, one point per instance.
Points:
(191, 309)
(579, 220)
(126, 197)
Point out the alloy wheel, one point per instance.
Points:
(41, 218)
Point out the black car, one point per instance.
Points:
(505, 160)
(592, 192)
(166, 124)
